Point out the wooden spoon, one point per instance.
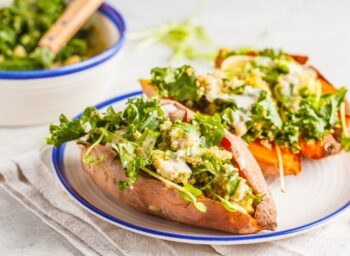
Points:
(68, 24)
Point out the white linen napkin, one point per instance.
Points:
(29, 179)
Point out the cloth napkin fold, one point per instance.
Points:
(29, 178)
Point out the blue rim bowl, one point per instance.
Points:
(118, 21)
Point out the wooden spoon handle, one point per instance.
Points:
(68, 24)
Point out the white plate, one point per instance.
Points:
(312, 199)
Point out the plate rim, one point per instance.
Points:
(57, 157)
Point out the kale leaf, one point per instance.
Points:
(146, 142)
(318, 117)
(329, 105)
(141, 114)
(266, 109)
(179, 84)
(66, 131)
(212, 128)
(265, 122)
(290, 133)
(131, 162)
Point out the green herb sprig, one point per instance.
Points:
(186, 39)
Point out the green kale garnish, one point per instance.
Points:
(141, 114)
(212, 128)
(264, 120)
(329, 105)
(131, 162)
(290, 133)
(317, 116)
(266, 109)
(66, 131)
(312, 125)
(179, 83)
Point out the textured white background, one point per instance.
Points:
(319, 29)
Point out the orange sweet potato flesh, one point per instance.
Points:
(148, 88)
(268, 159)
(317, 149)
(327, 87)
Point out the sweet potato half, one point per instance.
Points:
(314, 149)
(267, 157)
(152, 196)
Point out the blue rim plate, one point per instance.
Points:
(58, 161)
(118, 21)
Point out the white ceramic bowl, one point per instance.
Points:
(38, 97)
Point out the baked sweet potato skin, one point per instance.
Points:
(152, 196)
(318, 149)
(265, 212)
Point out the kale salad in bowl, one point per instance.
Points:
(35, 84)
(23, 24)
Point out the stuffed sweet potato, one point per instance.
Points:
(163, 159)
(283, 108)
(317, 147)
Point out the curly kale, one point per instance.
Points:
(179, 83)
(22, 25)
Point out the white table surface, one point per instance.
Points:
(319, 29)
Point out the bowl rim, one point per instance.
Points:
(118, 21)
